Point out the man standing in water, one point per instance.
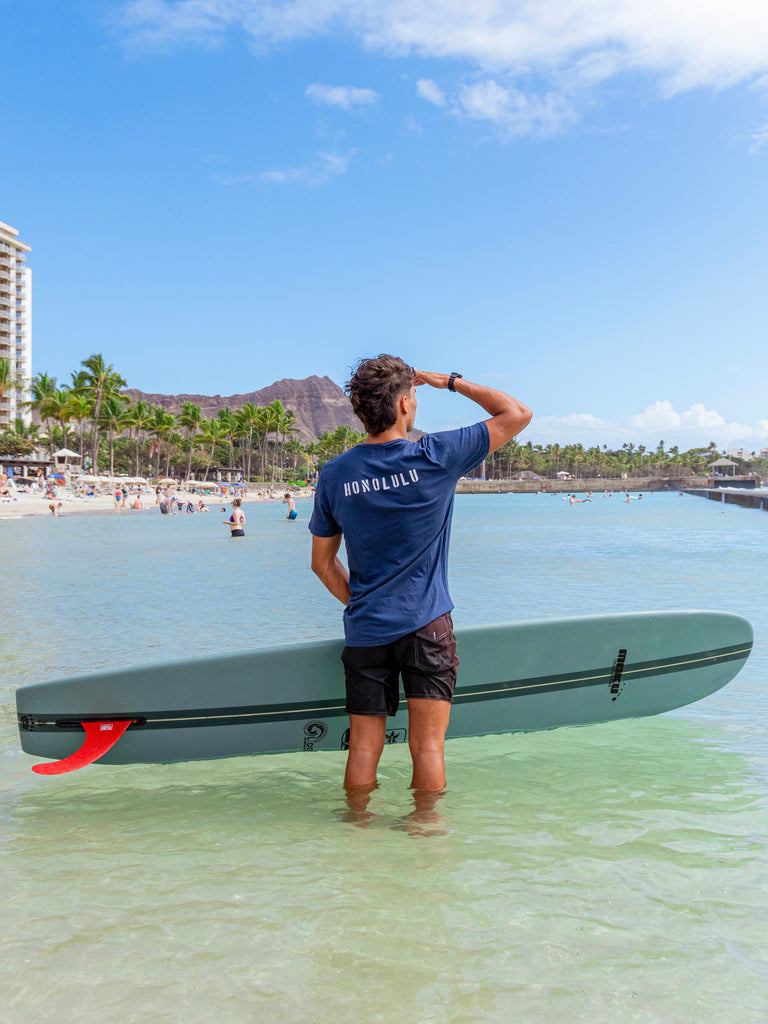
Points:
(391, 500)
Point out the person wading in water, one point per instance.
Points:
(391, 501)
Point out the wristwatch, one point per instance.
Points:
(452, 380)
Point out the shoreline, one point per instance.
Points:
(27, 506)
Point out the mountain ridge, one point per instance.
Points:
(318, 403)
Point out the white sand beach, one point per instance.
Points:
(67, 503)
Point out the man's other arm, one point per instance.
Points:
(508, 415)
(329, 569)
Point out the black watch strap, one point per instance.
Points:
(452, 380)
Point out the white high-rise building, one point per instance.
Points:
(15, 323)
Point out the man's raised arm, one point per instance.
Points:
(508, 415)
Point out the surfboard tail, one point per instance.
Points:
(99, 738)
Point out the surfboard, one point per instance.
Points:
(522, 676)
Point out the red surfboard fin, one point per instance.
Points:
(99, 738)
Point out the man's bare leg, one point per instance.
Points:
(366, 742)
(427, 725)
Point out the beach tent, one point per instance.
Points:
(64, 456)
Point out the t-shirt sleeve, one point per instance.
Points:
(322, 522)
(458, 451)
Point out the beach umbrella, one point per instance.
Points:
(166, 480)
(87, 479)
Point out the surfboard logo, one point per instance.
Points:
(617, 673)
(390, 736)
(314, 733)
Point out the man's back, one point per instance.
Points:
(393, 503)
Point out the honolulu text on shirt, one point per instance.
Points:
(380, 483)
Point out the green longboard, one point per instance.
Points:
(518, 677)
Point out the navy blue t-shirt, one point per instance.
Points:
(393, 503)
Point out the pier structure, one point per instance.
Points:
(732, 496)
(596, 485)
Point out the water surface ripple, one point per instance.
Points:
(612, 873)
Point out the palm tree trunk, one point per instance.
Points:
(95, 437)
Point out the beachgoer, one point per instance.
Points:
(391, 500)
(236, 521)
(292, 513)
(165, 501)
(202, 507)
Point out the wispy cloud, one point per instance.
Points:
(347, 97)
(324, 168)
(431, 91)
(759, 139)
(513, 111)
(525, 68)
(682, 44)
(688, 428)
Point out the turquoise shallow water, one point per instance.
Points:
(614, 872)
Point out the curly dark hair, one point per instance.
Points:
(375, 388)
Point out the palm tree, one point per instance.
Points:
(250, 418)
(114, 419)
(213, 432)
(9, 379)
(29, 431)
(273, 413)
(139, 417)
(56, 406)
(345, 437)
(227, 419)
(79, 410)
(190, 418)
(42, 386)
(162, 424)
(296, 449)
(286, 426)
(98, 381)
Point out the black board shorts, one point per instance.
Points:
(237, 533)
(426, 659)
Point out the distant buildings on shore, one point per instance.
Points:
(15, 323)
(745, 456)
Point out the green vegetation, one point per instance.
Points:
(94, 417)
(601, 462)
(134, 438)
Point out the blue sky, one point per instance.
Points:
(567, 200)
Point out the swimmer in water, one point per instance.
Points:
(288, 499)
(236, 521)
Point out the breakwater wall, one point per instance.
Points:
(746, 499)
(596, 485)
